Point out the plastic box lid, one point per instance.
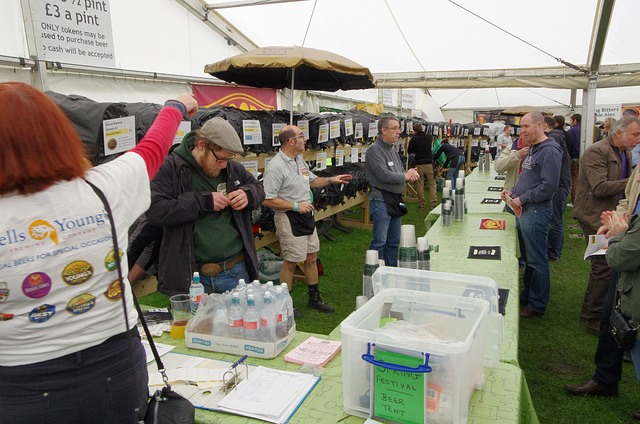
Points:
(453, 284)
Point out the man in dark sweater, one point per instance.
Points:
(555, 241)
(534, 192)
(420, 145)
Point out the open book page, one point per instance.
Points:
(598, 245)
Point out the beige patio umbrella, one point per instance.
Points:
(523, 110)
(299, 68)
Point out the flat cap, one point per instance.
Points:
(222, 134)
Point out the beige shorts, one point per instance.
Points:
(294, 249)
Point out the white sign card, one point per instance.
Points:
(119, 134)
(409, 127)
(303, 124)
(363, 154)
(435, 131)
(323, 133)
(359, 131)
(387, 96)
(608, 111)
(354, 155)
(408, 100)
(483, 144)
(373, 130)
(252, 133)
(339, 157)
(251, 166)
(334, 131)
(276, 132)
(321, 161)
(183, 129)
(348, 126)
(476, 131)
(74, 31)
(474, 142)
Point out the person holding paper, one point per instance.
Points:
(67, 353)
(608, 357)
(534, 191)
(287, 183)
(203, 200)
(604, 171)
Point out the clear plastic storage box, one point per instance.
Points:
(449, 355)
(453, 284)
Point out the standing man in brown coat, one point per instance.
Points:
(604, 171)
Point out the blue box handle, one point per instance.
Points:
(395, 367)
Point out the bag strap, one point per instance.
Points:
(116, 252)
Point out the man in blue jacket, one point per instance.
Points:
(534, 191)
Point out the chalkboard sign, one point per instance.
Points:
(398, 395)
(495, 189)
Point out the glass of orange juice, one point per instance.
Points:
(181, 312)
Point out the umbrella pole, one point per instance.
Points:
(293, 78)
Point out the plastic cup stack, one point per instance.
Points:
(424, 257)
(487, 160)
(461, 174)
(481, 162)
(447, 184)
(408, 255)
(446, 193)
(371, 263)
(459, 200)
(446, 216)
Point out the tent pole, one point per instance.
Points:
(293, 78)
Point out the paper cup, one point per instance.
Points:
(423, 243)
(447, 184)
(461, 173)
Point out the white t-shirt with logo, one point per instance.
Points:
(59, 290)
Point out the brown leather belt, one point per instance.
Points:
(213, 269)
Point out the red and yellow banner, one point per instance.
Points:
(492, 224)
(244, 98)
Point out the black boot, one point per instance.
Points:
(317, 303)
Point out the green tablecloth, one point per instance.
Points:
(503, 397)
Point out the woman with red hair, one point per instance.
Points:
(64, 348)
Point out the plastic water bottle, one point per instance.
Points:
(289, 307)
(251, 318)
(236, 323)
(281, 312)
(268, 318)
(196, 290)
(220, 320)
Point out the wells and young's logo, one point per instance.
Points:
(242, 101)
(41, 229)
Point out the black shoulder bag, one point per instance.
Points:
(395, 203)
(621, 330)
(165, 406)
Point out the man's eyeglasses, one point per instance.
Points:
(223, 159)
(392, 128)
(298, 136)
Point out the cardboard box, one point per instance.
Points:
(234, 346)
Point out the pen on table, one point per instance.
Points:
(238, 362)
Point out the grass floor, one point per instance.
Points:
(554, 350)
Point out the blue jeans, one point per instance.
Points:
(93, 385)
(453, 172)
(226, 280)
(635, 355)
(386, 232)
(556, 228)
(507, 209)
(532, 226)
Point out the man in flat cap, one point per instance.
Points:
(203, 200)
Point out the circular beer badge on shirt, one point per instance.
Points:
(81, 304)
(114, 291)
(77, 272)
(42, 313)
(110, 261)
(36, 285)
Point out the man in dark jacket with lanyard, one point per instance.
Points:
(386, 176)
(420, 145)
(203, 199)
(534, 191)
